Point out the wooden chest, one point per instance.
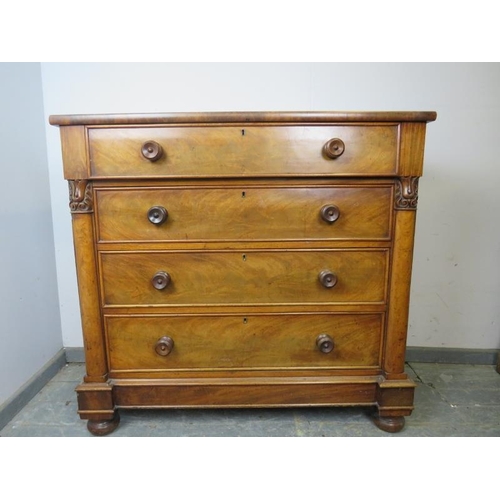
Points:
(244, 259)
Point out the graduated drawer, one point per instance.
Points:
(236, 342)
(243, 214)
(218, 151)
(250, 277)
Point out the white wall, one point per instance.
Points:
(30, 328)
(456, 279)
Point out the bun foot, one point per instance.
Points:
(103, 427)
(389, 424)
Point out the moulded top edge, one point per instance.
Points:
(243, 117)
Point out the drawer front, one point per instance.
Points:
(243, 151)
(250, 277)
(236, 342)
(244, 214)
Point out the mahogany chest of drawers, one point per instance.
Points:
(244, 259)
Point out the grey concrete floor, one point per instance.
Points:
(450, 400)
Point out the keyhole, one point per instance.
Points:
(242, 131)
(244, 257)
(245, 321)
(243, 194)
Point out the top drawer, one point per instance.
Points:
(251, 151)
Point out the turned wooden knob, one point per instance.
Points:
(164, 346)
(157, 215)
(327, 279)
(161, 280)
(325, 343)
(330, 213)
(334, 148)
(152, 151)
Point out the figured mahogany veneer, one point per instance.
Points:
(250, 277)
(245, 213)
(244, 259)
(243, 342)
(193, 151)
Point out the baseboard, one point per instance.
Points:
(451, 355)
(74, 355)
(413, 354)
(25, 393)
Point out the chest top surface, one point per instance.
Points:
(249, 117)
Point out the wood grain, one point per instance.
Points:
(411, 158)
(95, 401)
(246, 117)
(239, 342)
(75, 152)
(252, 277)
(399, 295)
(241, 393)
(88, 286)
(250, 151)
(394, 402)
(244, 214)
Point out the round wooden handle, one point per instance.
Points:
(157, 215)
(325, 343)
(330, 213)
(334, 148)
(327, 279)
(161, 280)
(164, 346)
(152, 151)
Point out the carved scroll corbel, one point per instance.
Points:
(80, 196)
(406, 193)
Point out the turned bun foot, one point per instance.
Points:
(103, 427)
(389, 424)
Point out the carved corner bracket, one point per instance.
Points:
(80, 196)
(406, 193)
